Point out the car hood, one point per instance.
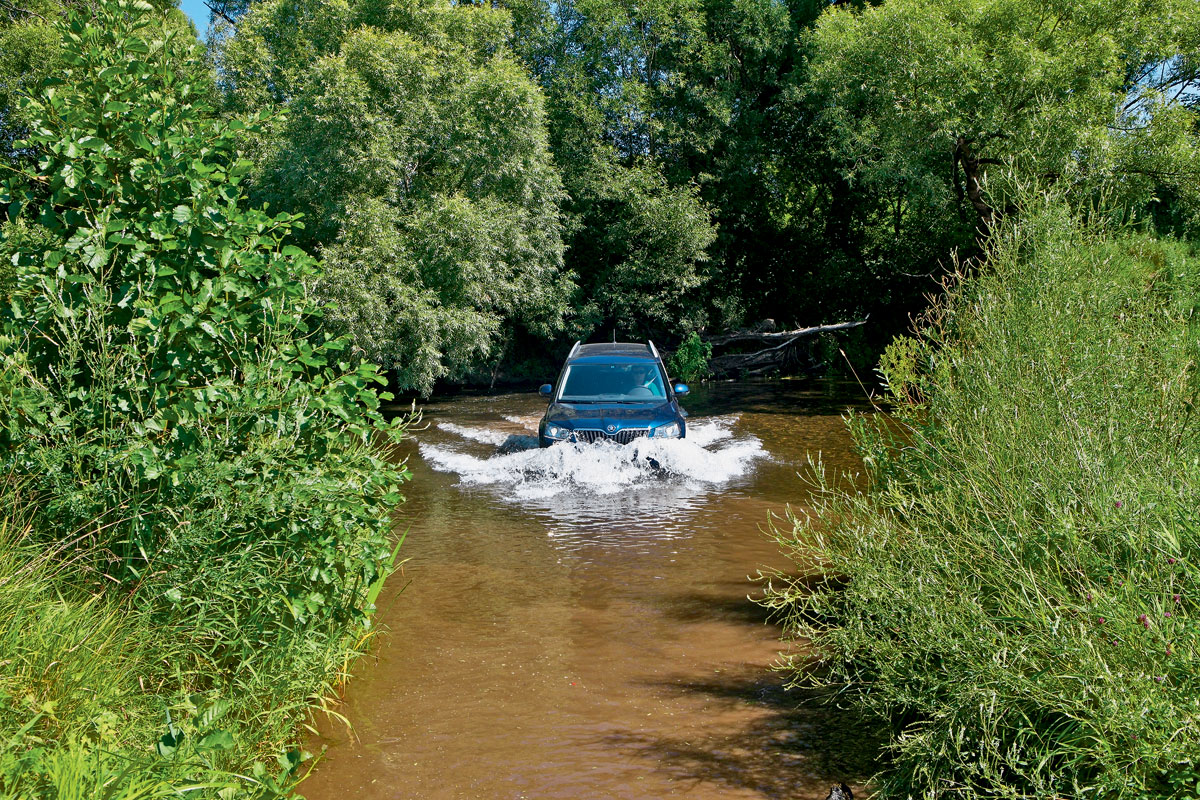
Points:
(600, 415)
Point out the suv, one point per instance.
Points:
(612, 392)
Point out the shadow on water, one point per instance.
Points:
(796, 746)
(725, 605)
(795, 743)
(779, 397)
(515, 443)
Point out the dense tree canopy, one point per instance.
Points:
(963, 101)
(624, 120)
(481, 178)
(417, 148)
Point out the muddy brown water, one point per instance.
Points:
(575, 623)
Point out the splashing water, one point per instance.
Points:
(710, 456)
(504, 442)
(649, 488)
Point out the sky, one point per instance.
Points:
(198, 13)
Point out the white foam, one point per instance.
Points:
(710, 456)
(528, 421)
(505, 442)
(714, 429)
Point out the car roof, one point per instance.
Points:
(612, 351)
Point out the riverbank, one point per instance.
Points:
(101, 697)
(1015, 595)
(108, 694)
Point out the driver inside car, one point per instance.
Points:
(645, 382)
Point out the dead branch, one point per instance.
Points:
(782, 336)
(783, 354)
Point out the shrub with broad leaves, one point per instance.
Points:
(167, 395)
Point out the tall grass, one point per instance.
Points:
(72, 666)
(1016, 591)
(102, 697)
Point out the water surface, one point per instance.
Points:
(575, 623)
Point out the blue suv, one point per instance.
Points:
(612, 392)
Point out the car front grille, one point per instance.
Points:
(624, 436)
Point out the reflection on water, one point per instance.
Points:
(574, 621)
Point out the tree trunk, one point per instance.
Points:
(971, 163)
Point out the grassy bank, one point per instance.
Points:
(102, 696)
(1015, 594)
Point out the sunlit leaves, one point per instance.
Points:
(165, 384)
(418, 149)
(942, 98)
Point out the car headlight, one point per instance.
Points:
(669, 431)
(557, 432)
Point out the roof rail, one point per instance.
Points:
(573, 349)
(653, 349)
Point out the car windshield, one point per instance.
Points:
(613, 383)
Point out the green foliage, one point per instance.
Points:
(689, 363)
(956, 104)
(620, 74)
(701, 104)
(101, 699)
(177, 423)
(721, 162)
(418, 147)
(25, 41)
(624, 119)
(20, 233)
(30, 52)
(160, 356)
(639, 251)
(1015, 589)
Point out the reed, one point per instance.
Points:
(102, 696)
(1013, 594)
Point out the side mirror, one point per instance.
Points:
(681, 389)
(546, 390)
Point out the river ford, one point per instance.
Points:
(575, 622)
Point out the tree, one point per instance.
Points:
(417, 146)
(640, 247)
(955, 103)
(625, 123)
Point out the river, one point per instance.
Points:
(575, 622)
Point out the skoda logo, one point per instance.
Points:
(612, 428)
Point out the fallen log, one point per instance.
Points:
(784, 354)
(781, 336)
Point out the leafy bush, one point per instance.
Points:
(690, 362)
(166, 388)
(18, 231)
(169, 407)
(1016, 589)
